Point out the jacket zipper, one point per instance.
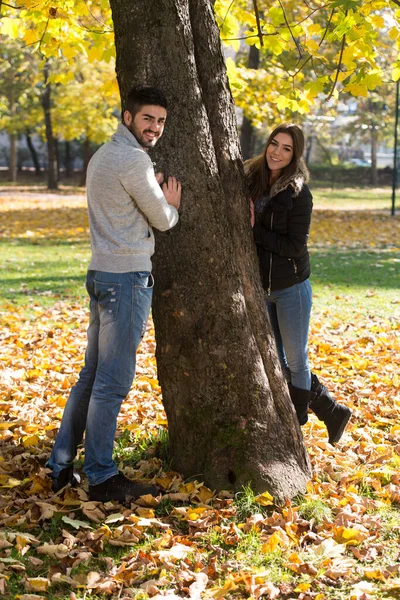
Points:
(294, 266)
(270, 263)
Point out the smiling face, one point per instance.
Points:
(279, 154)
(147, 125)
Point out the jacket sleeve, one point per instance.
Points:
(291, 244)
(138, 178)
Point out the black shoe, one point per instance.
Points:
(65, 477)
(120, 488)
(334, 415)
(336, 422)
(301, 400)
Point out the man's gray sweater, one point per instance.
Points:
(124, 203)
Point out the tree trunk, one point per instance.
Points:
(51, 149)
(374, 147)
(230, 418)
(68, 160)
(34, 155)
(12, 163)
(247, 129)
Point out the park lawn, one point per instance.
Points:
(338, 541)
(346, 198)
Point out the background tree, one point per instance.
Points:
(18, 76)
(81, 96)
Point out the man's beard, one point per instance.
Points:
(142, 142)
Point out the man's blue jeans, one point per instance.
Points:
(119, 309)
(289, 311)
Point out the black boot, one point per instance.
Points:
(301, 400)
(118, 487)
(334, 415)
(65, 477)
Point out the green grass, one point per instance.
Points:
(43, 273)
(356, 281)
(353, 198)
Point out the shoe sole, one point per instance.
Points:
(341, 429)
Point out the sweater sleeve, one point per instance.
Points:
(138, 178)
(291, 244)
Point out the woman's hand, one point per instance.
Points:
(252, 214)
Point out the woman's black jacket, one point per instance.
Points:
(281, 235)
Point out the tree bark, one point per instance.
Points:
(374, 148)
(230, 418)
(12, 163)
(34, 155)
(68, 160)
(52, 171)
(247, 129)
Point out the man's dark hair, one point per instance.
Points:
(140, 95)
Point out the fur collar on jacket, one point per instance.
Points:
(296, 180)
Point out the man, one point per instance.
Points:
(125, 201)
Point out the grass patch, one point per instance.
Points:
(41, 275)
(315, 510)
(348, 198)
(356, 281)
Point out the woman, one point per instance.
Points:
(281, 207)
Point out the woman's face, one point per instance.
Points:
(279, 153)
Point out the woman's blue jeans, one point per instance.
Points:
(289, 311)
(119, 309)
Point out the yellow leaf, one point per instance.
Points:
(229, 586)
(302, 587)
(146, 513)
(314, 28)
(38, 584)
(272, 544)
(10, 27)
(265, 499)
(396, 74)
(377, 574)
(30, 440)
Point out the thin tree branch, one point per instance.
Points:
(99, 31)
(43, 34)
(291, 32)
(314, 10)
(256, 12)
(338, 66)
(327, 27)
(247, 37)
(227, 12)
(9, 5)
(319, 45)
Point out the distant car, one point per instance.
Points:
(360, 162)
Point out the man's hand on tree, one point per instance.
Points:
(172, 190)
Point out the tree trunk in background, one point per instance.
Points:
(12, 163)
(68, 160)
(52, 171)
(374, 148)
(86, 157)
(229, 413)
(34, 155)
(247, 129)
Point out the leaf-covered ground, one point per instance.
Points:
(340, 540)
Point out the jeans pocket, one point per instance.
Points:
(144, 280)
(108, 299)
